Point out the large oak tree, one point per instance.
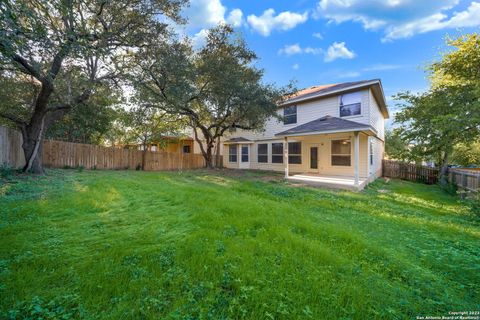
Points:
(218, 88)
(58, 51)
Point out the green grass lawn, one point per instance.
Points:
(224, 245)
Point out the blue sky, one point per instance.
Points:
(332, 41)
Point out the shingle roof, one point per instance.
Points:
(324, 89)
(326, 124)
(239, 139)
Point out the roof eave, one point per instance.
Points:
(367, 129)
(382, 101)
(322, 94)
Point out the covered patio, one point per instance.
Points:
(328, 181)
(353, 176)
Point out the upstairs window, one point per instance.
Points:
(295, 152)
(351, 104)
(262, 153)
(341, 153)
(277, 152)
(290, 115)
(232, 153)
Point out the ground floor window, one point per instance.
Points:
(277, 152)
(262, 153)
(295, 153)
(244, 153)
(371, 153)
(232, 153)
(341, 153)
(186, 149)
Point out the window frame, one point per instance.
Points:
(230, 155)
(370, 154)
(187, 147)
(276, 155)
(263, 155)
(242, 155)
(292, 115)
(292, 155)
(349, 155)
(341, 105)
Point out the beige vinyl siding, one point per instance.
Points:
(377, 120)
(323, 142)
(378, 150)
(306, 112)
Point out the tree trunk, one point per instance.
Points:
(217, 153)
(207, 154)
(32, 135)
(443, 179)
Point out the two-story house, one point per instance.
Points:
(327, 133)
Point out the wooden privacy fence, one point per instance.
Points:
(409, 171)
(11, 153)
(465, 179)
(60, 154)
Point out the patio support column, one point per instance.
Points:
(285, 152)
(356, 157)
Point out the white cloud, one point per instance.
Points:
(314, 51)
(268, 22)
(199, 39)
(204, 13)
(382, 67)
(348, 74)
(292, 49)
(338, 50)
(468, 18)
(295, 66)
(235, 18)
(317, 35)
(399, 18)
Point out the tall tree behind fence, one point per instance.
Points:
(11, 153)
(409, 171)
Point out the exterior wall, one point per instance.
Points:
(375, 168)
(323, 142)
(376, 117)
(306, 112)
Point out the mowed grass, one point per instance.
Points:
(231, 245)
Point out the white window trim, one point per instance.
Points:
(277, 154)
(296, 116)
(339, 97)
(236, 154)
(262, 154)
(295, 154)
(332, 154)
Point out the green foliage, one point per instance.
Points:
(144, 245)
(65, 307)
(447, 115)
(396, 148)
(473, 202)
(466, 154)
(6, 171)
(91, 122)
(217, 89)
